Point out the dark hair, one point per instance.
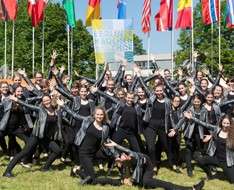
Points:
(204, 79)
(230, 138)
(166, 70)
(217, 86)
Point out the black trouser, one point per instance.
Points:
(69, 134)
(206, 162)
(192, 144)
(87, 169)
(122, 134)
(150, 183)
(28, 150)
(13, 133)
(174, 148)
(154, 151)
(3, 144)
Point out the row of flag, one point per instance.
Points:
(163, 18)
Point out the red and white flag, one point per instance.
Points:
(146, 14)
(36, 11)
(8, 9)
(163, 18)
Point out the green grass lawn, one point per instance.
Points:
(59, 179)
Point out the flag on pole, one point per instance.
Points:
(184, 15)
(36, 11)
(122, 9)
(230, 14)
(210, 11)
(163, 18)
(70, 12)
(93, 11)
(145, 22)
(8, 9)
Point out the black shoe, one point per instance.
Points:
(190, 173)
(8, 174)
(199, 185)
(86, 180)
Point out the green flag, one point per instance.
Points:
(70, 12)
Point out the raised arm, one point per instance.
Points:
(170, 87)
(66, 94)
(75, 115)
(100, 80)
(105, 95)
(92, 81)
(144, 86)
(208, 126)
(120, 78)
(29, 106)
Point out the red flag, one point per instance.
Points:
(145, 22)
(184, 15)
(163, 18)
(36, 11)
(8, 9)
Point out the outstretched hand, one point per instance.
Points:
(13, 98)
(60, 102)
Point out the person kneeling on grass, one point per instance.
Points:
(143, 171)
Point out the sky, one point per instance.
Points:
(160, 42)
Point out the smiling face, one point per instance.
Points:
(19, 92)
(158, 91)
(218, 92)
(38, 78)
(209, 98)
(197, 103)
(129, 99)
(140, 93)
(199, 75)
(99, 115)
(225, 124)
(182, 90)
(4, 88)
(83, 93)
(175, 102)
(204, 85)
(17, 80)
(46, 101)
(129, 79)
(110, 85)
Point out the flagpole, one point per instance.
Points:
(219, 34)
(212, 50)
(13, 49)
(33, 49)
(43, 47)
(71, 54)
(68, 51)
(5, 52)
(148, 53)
(172, 42)
(192, 36)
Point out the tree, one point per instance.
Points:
(206, 43)
(138, 46)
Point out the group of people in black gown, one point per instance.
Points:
(123, 122)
